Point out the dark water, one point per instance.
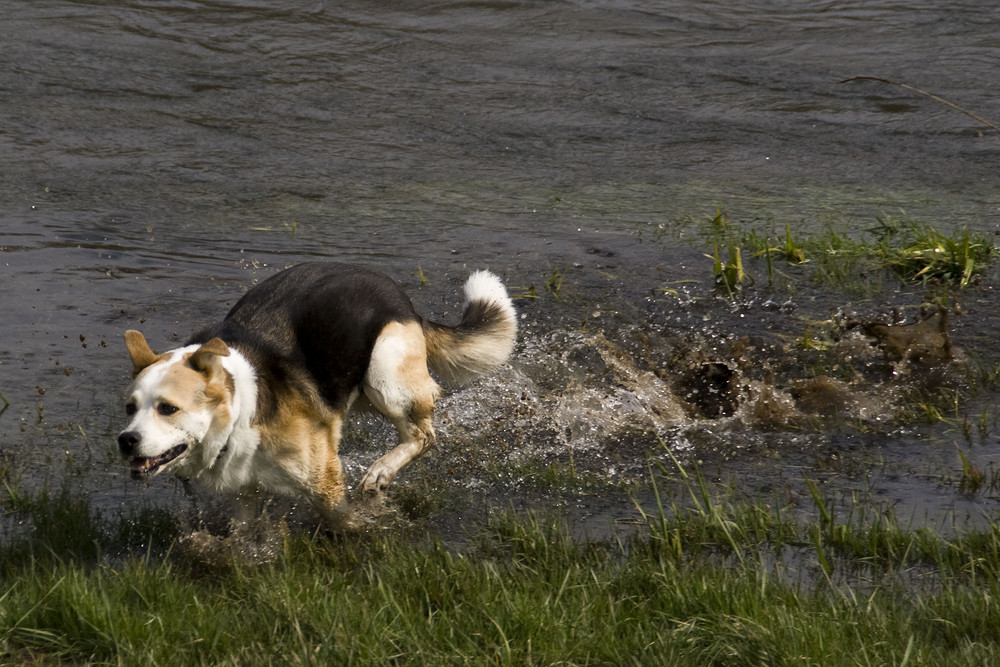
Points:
(158, 157)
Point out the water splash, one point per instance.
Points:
(608, 405)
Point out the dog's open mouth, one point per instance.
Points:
(143, 467)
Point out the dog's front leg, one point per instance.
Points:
(326, 488)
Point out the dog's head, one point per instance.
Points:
(179, 405)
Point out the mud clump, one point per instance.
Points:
(824, 396)
(922, 351)
(710, 388)
(255, 542)
(926, 342)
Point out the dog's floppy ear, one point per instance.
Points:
(142, 355)
(203, 359)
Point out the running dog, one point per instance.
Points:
(257, 402)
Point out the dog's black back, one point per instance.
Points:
(315, 322)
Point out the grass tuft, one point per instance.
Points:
(909, 251)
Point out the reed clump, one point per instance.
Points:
(857, 262)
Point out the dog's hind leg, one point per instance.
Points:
(399, 385)
(416, 435)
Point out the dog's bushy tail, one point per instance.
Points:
(482, 340)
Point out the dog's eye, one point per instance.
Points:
(166, 409)
(130, 409)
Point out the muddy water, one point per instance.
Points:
(156, 158)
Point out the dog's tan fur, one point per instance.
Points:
(305, 444)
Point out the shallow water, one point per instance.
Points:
(159, 157)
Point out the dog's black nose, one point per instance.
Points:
(128, 441)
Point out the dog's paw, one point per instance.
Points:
(376, 479)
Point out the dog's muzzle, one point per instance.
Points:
(145, 466)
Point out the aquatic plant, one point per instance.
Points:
(910, 251)
(529, 292)
(762, 246)
(922, 253)
(729, 274)
(913, 252)
(973, 477)
(555, 282)
(793, 252)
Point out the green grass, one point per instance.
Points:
(922, 253)
(857, 262)
(713, 577)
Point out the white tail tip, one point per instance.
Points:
(485, 287)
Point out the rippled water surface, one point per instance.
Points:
(156, 158)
